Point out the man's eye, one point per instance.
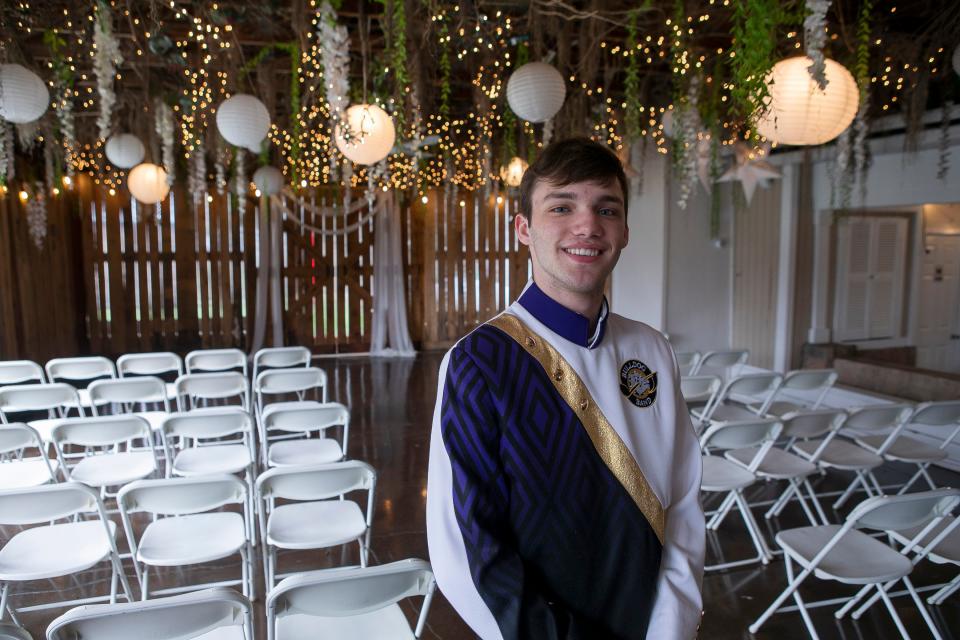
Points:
(560, 209)
(608, 212)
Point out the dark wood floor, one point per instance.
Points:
(392, 406)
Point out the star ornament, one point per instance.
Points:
(750, 169)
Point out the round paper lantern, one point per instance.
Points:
(124, 150)
(956, 59)
(512, 173)
(799, 112)
(370, 134)
(148, 183)
(536, 91)
(268, 179)
(23, 95)
(243, 121)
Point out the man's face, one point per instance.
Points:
(575, 235)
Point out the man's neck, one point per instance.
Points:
(587, 305)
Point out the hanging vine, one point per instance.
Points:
(105, 62)
(752, 54)
(631, 86)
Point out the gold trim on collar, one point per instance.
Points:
(607, 442)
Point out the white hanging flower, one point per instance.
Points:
(106, 59)
(686, 126)
(68, 135)
(37, 217)
(165, 128)
(27, 134)
(197, 179)
(219, 166)
(4, 158)
(841, 173)
(335, 56)
(241, 182)
(814, 37)
(861, 128)
(8, 161)
(48, 161)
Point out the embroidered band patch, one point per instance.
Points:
(638, 383)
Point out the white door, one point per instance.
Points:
(938, 319)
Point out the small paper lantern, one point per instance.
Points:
(268, 179)
(536, 91)
(369, 136)
(956, 59)
(148, 183)
(512, 172)
(23, 95)
(243, 121)
(124, 150)
(799, 112)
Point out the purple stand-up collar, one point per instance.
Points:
(562, 321)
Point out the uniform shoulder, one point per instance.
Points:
(481, 341)
(641, 330)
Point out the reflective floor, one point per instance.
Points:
(392, 406)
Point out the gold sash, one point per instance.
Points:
(607, 442)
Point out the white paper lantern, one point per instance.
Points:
(148, 183)
(23, 95)
(536, 91)
(269, 180)
(956, 59)
(124, 150)
(370, 134)
(243, 121)
(799, 112)
(512, 173)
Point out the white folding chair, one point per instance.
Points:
(187, 529)
(354, 602)
(801, 389)
(700, 392)
(303, 420)
(942, 546)
(157, 363)
(108, 459)
(73, 370)
(210, 614)
(726, 408)
(20, 371)
(285, 382)
(687, 361)
(196, 390)
(280, 358)
(56, 398)
(900, 448)
(54, 550)
(146, 396)
(210, 360)
(18, 470)
(845, 554)
(13, 632)
(317, 515)
(723, 476)
(723, 363)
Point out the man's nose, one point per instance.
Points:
(586, 223)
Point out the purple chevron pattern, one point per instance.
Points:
(556, 546)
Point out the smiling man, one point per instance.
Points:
(563, 497)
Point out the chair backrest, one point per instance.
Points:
(278, 381)
(316, 482)
(722, 359)
(687, 361)
(189, 615)
(304, 419)
(351, 591)
(9, 631)
(38, 397)
(140, 390)
(700, 386)
(907, 511)
(280, 358)
(937, 414)
(181, 496)
(878, 418)
(812, 423)
(85, 368)
(18, 371)
(211, 386)
(761, 387)
(216, 360)
(47, 502)
(16, 436)
(149, 364)
(216, 422)
(741, 434)
(101, 431)
(818, 381)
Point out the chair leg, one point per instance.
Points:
(923, 610)
(893, 612)
(753, 528)
(801, 606)
(781, 502)
(144, 586)
(119, 573)
(4, 592)
(721, 513)
(792, 585)
(815, 501)
(803, 504)
(921, 471)
(245, 581)
(945, 592)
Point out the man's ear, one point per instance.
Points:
(522, 226)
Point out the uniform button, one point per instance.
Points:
(583, 405)
(558, 375)
(531, 342)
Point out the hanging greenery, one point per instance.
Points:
(396, 55)
(107, 58)
(814, 37)
(943, 161)
(631, 87)
(63, 78)
(753, 54)
(861, 72)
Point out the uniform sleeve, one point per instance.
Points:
(471, 549)
(678, 606)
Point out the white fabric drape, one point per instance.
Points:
(389, 299)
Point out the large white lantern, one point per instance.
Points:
(23, 95)
(512, 172)
(148, 183)
(269, 180)
(799, 112)
(956, 59)
(124, 150)
(243, 121)
(369, 135)
(536, 91)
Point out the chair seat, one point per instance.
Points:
(777, 464)
(227, 458)
(312, 451)
(313, 525)
(113, 469)
(29, 472)
(388, 623)
(947, 550)
(57, 550)
(839, 454)
(154, 418)
(903, 449)
(856, 559)
(191, 539)
(720, 474)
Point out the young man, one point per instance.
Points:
(563, 497)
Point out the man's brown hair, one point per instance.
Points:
(568, 161)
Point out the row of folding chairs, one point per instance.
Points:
(354, 602)
(692, 363)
